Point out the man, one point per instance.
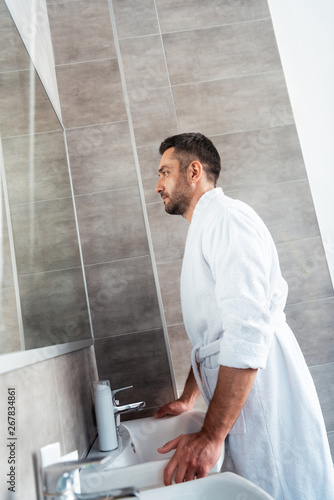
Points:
(245, 361)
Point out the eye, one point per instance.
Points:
(163, 173)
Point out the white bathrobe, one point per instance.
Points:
(233, 296)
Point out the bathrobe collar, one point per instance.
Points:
(205, 200)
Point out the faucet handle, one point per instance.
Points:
(119, 390)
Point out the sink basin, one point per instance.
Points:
(138, 463)
(224, 486)
(148, 434)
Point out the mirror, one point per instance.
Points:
(43, 301)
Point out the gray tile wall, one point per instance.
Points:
(177, 80)
(130, 342)
(260, 152)
(214, 67)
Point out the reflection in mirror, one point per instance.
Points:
(42, 296)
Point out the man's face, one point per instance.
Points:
(173, 185)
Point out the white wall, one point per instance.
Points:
(31, 19)
(305, 38)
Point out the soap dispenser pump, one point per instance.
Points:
(104, 410)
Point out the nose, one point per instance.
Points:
(158, 188)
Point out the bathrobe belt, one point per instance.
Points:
(200, 352)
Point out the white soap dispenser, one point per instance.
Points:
(104, 410)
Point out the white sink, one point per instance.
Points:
(148, 434)
(224, 486)
(138, 462)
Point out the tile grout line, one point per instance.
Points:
(92, 125)
(61, 65)
(83, 273)
(235, 23)
(42, 132)
(141, 191)
(249, 188)
(79, 195)
(310, 301)
(111, 190)
(166, 66)
(228, 78)
(233, 132)
(123, 334)
(320, 364)
(38, 273)
(125, 259)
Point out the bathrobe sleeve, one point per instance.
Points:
(236, 249)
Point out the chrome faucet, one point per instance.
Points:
(59, 481)
(118, 410)
(58, 478)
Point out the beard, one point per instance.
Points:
(179, 202)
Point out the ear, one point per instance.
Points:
(195, 171)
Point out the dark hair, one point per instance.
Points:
(194, 146)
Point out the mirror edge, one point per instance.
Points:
(20, 359)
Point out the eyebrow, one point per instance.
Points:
(164, 167)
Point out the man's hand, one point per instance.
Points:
(194, 457)
(197, 453)
(173, 408)
(185, 402)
